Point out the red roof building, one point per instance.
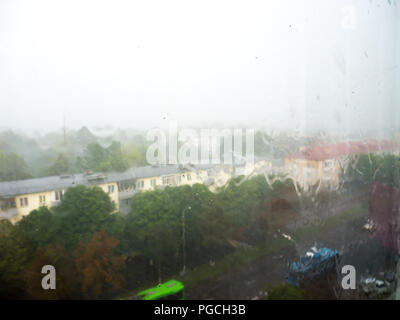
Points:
(337, 150)
(322, 165)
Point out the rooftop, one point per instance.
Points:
(334, 151)
(13, 188)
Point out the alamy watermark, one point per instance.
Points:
(49, 280)
(201, 146)
(349, 280)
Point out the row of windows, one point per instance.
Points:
(172, 180)
(168, 180)
(133, 186)
(58, 195)
(126, 186)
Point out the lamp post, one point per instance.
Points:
(184, 240)
(397, 293)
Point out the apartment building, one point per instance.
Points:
(19, 198)
(322, 165)
(151, 177)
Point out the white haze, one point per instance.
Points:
(298, 65)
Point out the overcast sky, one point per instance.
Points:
(330, 64)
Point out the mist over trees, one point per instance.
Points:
(23, 157)
(12, 167)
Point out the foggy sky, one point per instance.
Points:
(298, 65)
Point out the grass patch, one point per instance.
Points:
(329, 223)
(284, 291)
(230, 262)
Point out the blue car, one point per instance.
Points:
(311, 266)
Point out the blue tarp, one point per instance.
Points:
(314, 264)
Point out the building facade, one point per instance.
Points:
(322, 166)
(19, 198)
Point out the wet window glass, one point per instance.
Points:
(240, 149)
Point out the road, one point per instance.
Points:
(249, 281)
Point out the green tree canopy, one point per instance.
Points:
(97, 158)
(82, 211)
(157, 218)
(40, 226)
(60, 166)
(241, 200)
(374, 167)
(154, 224)
(12, 167)
(16, 250)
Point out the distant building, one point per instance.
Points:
(151, 177)
(19, 198)
(322, 165)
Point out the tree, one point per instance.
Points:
(116, 227)
(389, 170)
(116, 159)
(94, 156)
(214, 229)
(99, 268)
(263, 144)
(42, 237)
(66, 275)
(243, 201)
(280, 207)
(154, 225)
(366, 168)
(207, 226)
(60, 165)
(157, 219)
(97, 158)
(362, 168)
(12, 167)
(16, 250)
(40, 226)
(82, 211)
(134, 153)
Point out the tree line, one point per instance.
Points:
(98, 252)
(22, 157)
(366, 168)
